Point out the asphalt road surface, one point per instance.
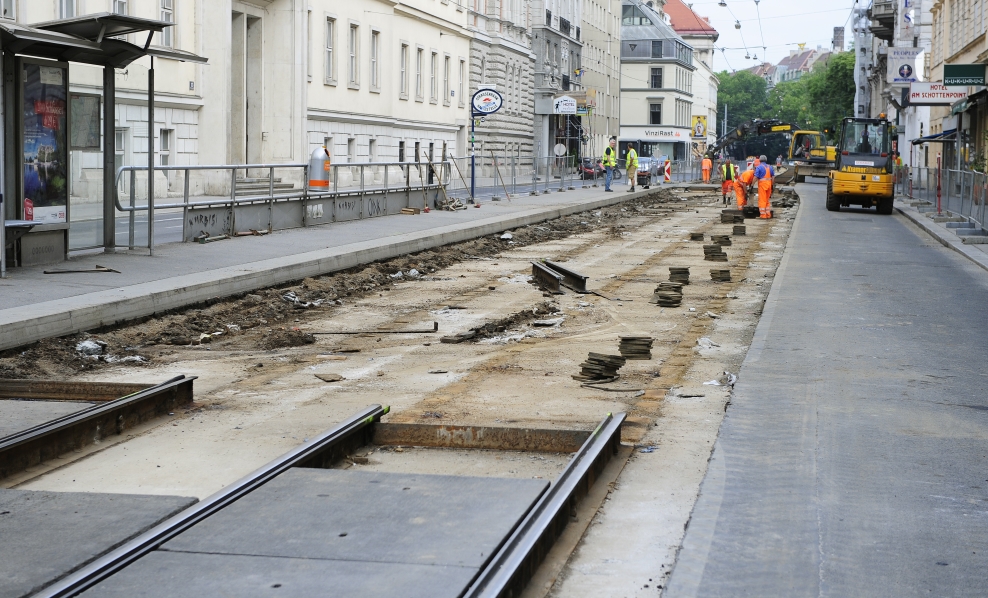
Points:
(853, 460)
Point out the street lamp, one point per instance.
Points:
(737, 24)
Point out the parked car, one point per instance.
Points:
(590, 169)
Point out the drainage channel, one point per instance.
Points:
(301, 524)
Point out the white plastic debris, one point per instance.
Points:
(413, 273)
(89, 347)
(294, 299)
(711, 314)
(692, 309)
(731, 378)
(398, 274)
(712, 383)
(548, 323)
(507, 237)
(706, 343)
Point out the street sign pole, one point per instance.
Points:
(484, 103)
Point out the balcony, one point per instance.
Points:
(882, 15)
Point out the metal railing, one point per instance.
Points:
(228, 192)
(960, 192)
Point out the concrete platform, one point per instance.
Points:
(46, 535)
(399, 534)
(181, 274)
(16, 416)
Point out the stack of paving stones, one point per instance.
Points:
(714, 253)
(600, 367)
(740, 230)
(636, 347)
(720, 275)
(731, 216)
(680, 275)
(727, 218)
(722, 240)
(696, 236)
(668, 294)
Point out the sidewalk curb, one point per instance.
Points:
(945, 239)
(31, 323)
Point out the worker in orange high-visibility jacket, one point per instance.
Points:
(765, 176)
(742, 183)
(707, 165)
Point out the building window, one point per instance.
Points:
(351, 150)
(165, 146)
(446, 87)
(375, 46)
(548, 18)
(330, 55)
(119, 6)
(656, 82)
(353, 65)
(462, 88)
(401, 151)
(655, 114)
(372, 150)
(433, 82)
(403, 66)
(167, 14)
(419, 57)
(656, 49)
(66, 9)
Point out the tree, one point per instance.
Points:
(744, 94)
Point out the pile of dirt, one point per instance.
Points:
(266, 319)
(540, 311)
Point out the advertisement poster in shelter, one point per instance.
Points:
(46, 190)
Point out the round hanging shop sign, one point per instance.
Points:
(487, 101)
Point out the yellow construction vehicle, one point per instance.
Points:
(809, 155)
(862, 174)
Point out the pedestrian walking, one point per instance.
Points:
(765, 175)
(727, 175)
(707, 165)
(609, 161)
(631, 167)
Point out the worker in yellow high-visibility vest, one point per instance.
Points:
(609, 161)
(631, 166)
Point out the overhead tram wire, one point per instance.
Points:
(758, 11)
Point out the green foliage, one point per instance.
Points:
(816, 101)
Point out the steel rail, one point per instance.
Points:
(547, 278)
(571, 278)
(112, 562)
(512, 566)
(72, 419)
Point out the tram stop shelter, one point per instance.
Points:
(41, 121)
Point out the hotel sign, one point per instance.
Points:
(935, 94)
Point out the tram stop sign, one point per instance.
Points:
(486, 101)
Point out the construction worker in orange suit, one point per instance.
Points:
(765, 176)
(727, 174)
(707, 165)
(742, 183)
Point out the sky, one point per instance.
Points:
(784, 23)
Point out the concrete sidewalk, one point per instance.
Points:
(851, 459)
(34, 305)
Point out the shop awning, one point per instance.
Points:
(949, 135)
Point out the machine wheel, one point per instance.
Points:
(885, 206)
(833, 204)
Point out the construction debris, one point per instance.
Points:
(411, 211)
(714, 253)
(720, 275)
(696, 236)
(330, 377)
(680, 275)
(740, 230)
(668, 294)
(722, 240)
(204, 238)
(435, 328)
(636, 347)
(599, 367)
(458, 338)
(96, 269)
